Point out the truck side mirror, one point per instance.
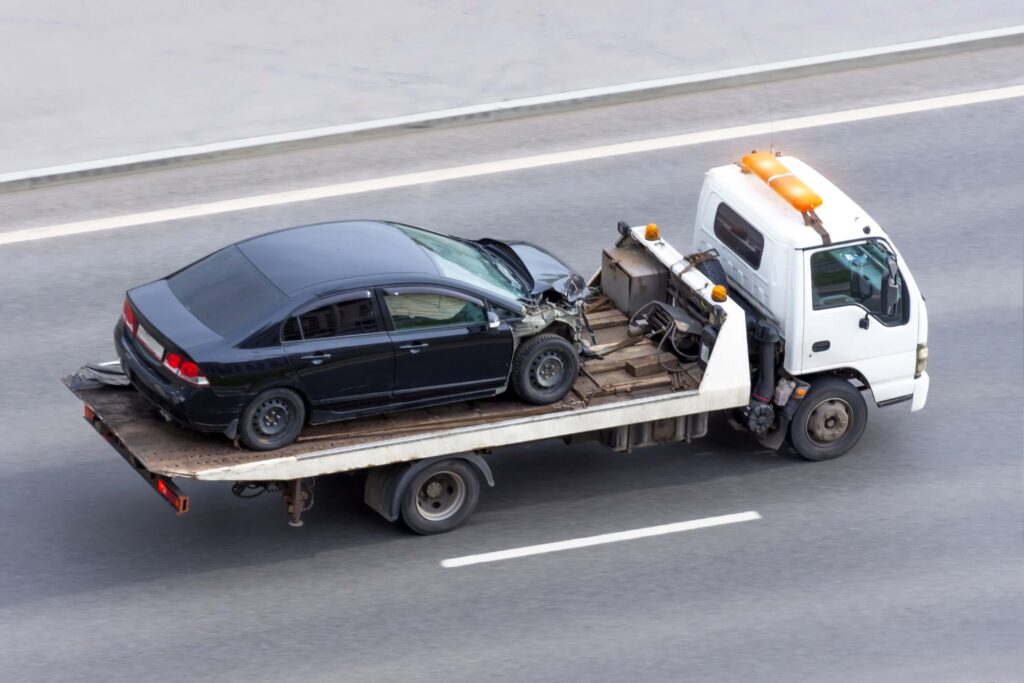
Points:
(890, 287)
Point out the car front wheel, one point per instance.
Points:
(544, 369)
(272, 420)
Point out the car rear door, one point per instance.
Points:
(443, 343)
(339, 350)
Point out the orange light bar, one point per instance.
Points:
(772, 171)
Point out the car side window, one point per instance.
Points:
(854, 275)
(353, 316)
(416, 310)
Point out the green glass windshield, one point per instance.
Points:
(461, 261)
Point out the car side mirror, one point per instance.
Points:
(493, 320)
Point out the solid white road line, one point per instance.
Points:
(575, 543)
(515, 164)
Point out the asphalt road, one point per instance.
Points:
(91, 80)
(901, 561)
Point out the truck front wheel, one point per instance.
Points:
(829, 421)
(440, 497)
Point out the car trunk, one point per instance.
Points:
(165, 322)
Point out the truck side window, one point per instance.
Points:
(853, 275)
(333, 320)
(739, 235)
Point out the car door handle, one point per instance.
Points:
(414, 347)
(821, 345)
(317, 358)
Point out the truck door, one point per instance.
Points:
(849, 323)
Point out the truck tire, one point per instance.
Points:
(829, 421)
(440, 497)
(272, 420)
(544, 369)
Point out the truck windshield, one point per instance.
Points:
(463, 261)
(225, 291)
(853, 275)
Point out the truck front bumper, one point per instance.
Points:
(920, 392)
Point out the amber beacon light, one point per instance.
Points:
(773, 172)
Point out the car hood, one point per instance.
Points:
(539, 268)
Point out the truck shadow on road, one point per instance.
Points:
(116, 533)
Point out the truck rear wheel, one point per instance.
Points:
(440, 497)
(829, 421)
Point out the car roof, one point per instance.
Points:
(302, 257)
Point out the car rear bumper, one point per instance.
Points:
(200, 408)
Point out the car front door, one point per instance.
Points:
(339, 350)
(846, 323)
(443, 342)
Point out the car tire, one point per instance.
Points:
(829, 421)
(440, 497)
(272, 420)
(544, 369)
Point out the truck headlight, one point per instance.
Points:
(922, 360)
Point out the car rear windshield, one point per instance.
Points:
(225, 291)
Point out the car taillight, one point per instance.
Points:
(185, 369)
(129, 317)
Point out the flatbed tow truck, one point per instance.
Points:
(741, 310)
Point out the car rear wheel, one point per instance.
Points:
(272, 420)
(544, 369)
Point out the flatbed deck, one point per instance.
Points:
(628, 371)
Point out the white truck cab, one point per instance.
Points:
(802, 254)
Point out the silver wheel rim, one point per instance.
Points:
(549, 370)
(440, 496)
(272, 417)
(829, 421)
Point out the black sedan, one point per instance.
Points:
(338, 320)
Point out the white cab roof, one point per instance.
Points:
(776, 219)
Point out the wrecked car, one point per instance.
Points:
(339, 320)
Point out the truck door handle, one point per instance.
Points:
(821, 345)
(414, 347)
(317, 358)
